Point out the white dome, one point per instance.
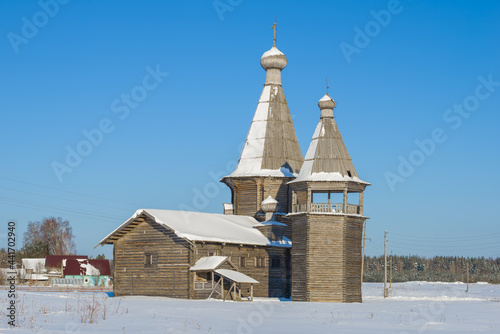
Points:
(326, 102)
(269, 204)
(273, 58)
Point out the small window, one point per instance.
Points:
(260, 262)
(201, 281)
(86, 280)
(148, 260)
(349, 173)
(276, 263)
(212, 253)
(243, 261)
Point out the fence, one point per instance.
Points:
(59, 289)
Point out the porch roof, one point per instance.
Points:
(236, 276)
(208, 263)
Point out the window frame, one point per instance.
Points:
(242, 262)
(151, 263)
(275, 262)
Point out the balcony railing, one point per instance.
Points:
(326, 208)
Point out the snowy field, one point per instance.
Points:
(416, 307)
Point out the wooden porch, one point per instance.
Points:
(326, 208)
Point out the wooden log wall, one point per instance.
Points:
(272, 281)
(287, 230)
(245, 197)
(353, 236)
(249, 192)
(168, 276)
(299, 258)
(326, 258)
(279, 278)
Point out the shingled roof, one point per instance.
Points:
(271, 147)
(327, 158)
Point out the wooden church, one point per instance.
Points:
(293, 228)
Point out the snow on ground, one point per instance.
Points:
(416, 307)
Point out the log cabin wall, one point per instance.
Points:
(287, 230)
(353, 236)
(152, 261)
(272, 232)
(268, 265)
(246, 197)
(299, 258)
(279, 272)
(249, 192)
(326, 258)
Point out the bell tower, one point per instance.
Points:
(271, 155)
(327, 218)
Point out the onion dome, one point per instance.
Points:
(269, 204)
(326, 104)
(273, 58)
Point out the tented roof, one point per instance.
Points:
(327, 158)
(271, 147)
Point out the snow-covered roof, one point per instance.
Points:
(326, 98)
(199, 226)
(208, 263)
(236, 276)
(274, 51)
(284, 242)
(89, 269)
(327, 158)
(269, 200)
(271, 222)
(271, 147)
(81, 267)
(273, 59)
(34, 263)
(36, 277)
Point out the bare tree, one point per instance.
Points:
(56, 233)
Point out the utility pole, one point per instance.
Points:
(363, 257)
(390, 276)
(467, 276)
(386, 292)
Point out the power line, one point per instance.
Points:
(65, 191)
(447, 246)
(490, 235)
(63, 199)
(52, 209)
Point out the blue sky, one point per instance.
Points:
(70, 71)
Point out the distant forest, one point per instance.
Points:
(439, 268)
